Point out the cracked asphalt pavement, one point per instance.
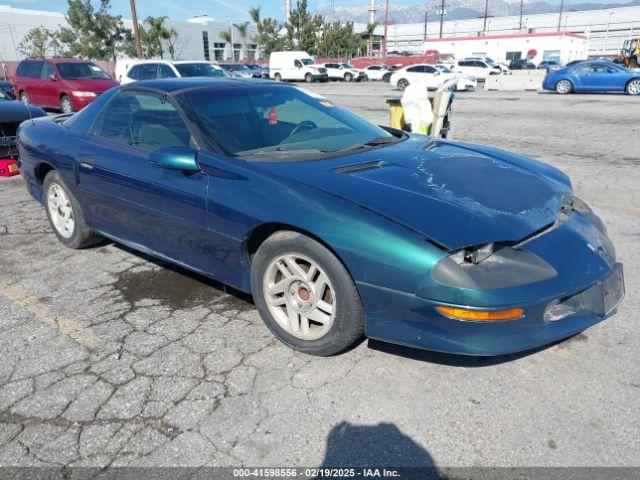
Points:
(109, 357)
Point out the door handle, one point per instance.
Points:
(86, 162)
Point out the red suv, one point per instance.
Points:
(66, 83)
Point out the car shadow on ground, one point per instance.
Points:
(177, 287)
(377, 447)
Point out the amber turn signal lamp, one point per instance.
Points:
(480, 315)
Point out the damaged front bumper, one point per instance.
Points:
(585, 288)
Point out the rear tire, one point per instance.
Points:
(65, 214)
(305, 295)
(348, 77)
(633, 87)
(277, 77)
(564, 86)
(402, 84)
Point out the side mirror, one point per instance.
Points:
(175, 158)
(53, 78)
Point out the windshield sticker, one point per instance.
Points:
(273, 116)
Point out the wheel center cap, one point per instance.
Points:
(303, 293)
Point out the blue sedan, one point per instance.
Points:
(339, 228)
(593, 76)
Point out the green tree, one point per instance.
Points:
(93, 33)
(369, 35)
(39, 42)
(304, 29)
(156, 35)
(243, 31)
(268, 29)
(340, 40)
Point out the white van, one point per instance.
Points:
(295, 66)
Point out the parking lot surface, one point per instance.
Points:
(112, 358)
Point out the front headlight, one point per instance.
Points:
(83, 94)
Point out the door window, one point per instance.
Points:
(33, 69)
(142, 120)
(429, 69)
(417, 69)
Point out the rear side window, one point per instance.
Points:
(415, 69)
(142, 120)
(144, 71)
(430, 70)
(30, 68)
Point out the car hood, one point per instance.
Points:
(93, 85)
(457, 195)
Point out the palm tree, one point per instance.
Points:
(243, 29)
(228, 38)
(369, 32)
(158, 33)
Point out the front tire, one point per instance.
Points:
(305, 295)
(564, 86)
(308, 78)
(65, 214)
(277, 77)
(65, 104)
(633, 87)
(24, 98)
(348, 77)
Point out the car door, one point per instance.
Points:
(594, 78)
(433, 76)
(33, 82)
(49, 88)
(127, 198)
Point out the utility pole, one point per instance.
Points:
(386, 29)
(560, 15)
(521, 11)
(442, 12)
(486, 14)
(426, 19)
(136, 30)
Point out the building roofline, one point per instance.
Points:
(506, 36)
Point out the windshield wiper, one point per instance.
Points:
(286, 151)
(374, 142)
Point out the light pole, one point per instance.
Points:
(486, 13)
(386, 28)
(136, 30)
(560, 15)
(521, 11)
(442, 12)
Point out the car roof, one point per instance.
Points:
(58, 60)
(172, 85)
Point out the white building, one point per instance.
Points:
(504, 48)
(605, 29)
(197, 39)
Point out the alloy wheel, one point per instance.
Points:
(299, 296)
(564, 86)
(633, 88)
(61, 211)
(65, 105)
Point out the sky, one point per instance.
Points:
(236, 10)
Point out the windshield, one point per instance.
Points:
(306, 61)
(443, 69)
(278, 122)
(199, 70)
(81, 71)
